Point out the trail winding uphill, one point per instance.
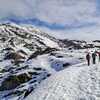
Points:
(78, 82)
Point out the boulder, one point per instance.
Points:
(11, 82)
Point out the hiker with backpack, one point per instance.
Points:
(98, 56)
(94, 57)
(88, 58)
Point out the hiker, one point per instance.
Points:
(94, 57)
(88, 58)
(98, 56)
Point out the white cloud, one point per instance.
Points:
(53, 11)
(64, 12)
(14, 7)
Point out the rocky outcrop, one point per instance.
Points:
(77, 44)
(11, 82)
(41, 52)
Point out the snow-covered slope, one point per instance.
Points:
(28, 57)
(78, 82)
(25, 37)
(21, 70)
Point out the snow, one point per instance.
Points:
(79, 82)
(50, 43)
(59, 75)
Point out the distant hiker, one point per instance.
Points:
(94, 57)
(98, 55)
(88, 58)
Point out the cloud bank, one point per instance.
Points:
(66, 18)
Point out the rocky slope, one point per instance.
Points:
(18, 46)
(29, 56)
(80, 44)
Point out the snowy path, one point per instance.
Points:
(74, 83)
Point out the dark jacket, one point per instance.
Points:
(94, 55)
(88, 56)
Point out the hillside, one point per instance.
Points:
(29, 57)
(20, 68)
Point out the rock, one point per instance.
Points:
(13, 55)
(28, 92)
(13, 93)
(11, 82)
(66, 64)
(16, 57)
(38, 69)
(40, 52)
(6, 70)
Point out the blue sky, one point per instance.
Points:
(61, 18)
